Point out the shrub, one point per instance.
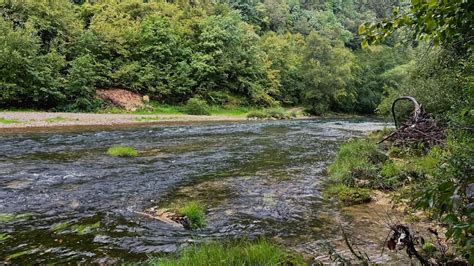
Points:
(257, 114)
(348, 195)
(197, 106)
(240, 253)
(277, 113)
(122, 151)
(195, 214)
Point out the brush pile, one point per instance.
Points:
(419, 129)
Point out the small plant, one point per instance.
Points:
(195, 213)
(122, 151)
(8, 121)
(197, 106)
(348, 195)
(257, 114)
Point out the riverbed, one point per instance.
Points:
(63, 199)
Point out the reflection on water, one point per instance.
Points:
(80, 204)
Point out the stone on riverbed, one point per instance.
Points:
(167, 216)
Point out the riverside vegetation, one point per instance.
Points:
(266, 54)
(255, 54)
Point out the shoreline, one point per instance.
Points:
(43, 122)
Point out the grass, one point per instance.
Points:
(237, 253)
(122, 151)
(348, 195)
(57, 119)
(357, 159)
(215, 110)
(195, 213)
(8, 121)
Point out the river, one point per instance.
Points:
(63, 199)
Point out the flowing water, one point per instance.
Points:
(63, 199)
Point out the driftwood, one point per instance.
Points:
(420, 128)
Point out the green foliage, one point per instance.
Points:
(8, 121)
(442, 22)
(348, 195)
(238, 253)
(122, 151)
(231, 53)
(195, 213)
(196, 106)
(356, 159)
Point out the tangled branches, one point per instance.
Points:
(420, 128)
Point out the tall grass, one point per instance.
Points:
(230, 254)
(195, 213)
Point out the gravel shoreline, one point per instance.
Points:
(32, 120)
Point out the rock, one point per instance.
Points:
(169, 217)
(121, 98)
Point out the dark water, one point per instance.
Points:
(63, 199)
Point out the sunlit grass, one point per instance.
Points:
(236, 253)
(195, 213)
(122, 151)
(8, 121)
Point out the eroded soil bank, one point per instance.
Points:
(63, 199)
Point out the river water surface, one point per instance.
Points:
(63, 199)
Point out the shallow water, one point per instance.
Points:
(62, 199)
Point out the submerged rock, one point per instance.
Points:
(168, 216)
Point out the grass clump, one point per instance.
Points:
(239, 253)
(122, 151)
(348, 195)
(8, 121)
(197, 106)
(195, 213)
(357, 160)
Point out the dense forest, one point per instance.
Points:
(228, 53)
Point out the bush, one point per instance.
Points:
(197, 106)
(122, 151)
(257, 114)
(276, 113)
(348, 195)
(240, 253)
(195, 214)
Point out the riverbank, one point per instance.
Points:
(25, 120)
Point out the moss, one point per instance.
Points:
(195, 213)
(122, 151)
(9, 217)
(348, 195)
(8, 121)
(237, 253)
(4, 236)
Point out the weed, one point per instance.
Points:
(122, 151)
